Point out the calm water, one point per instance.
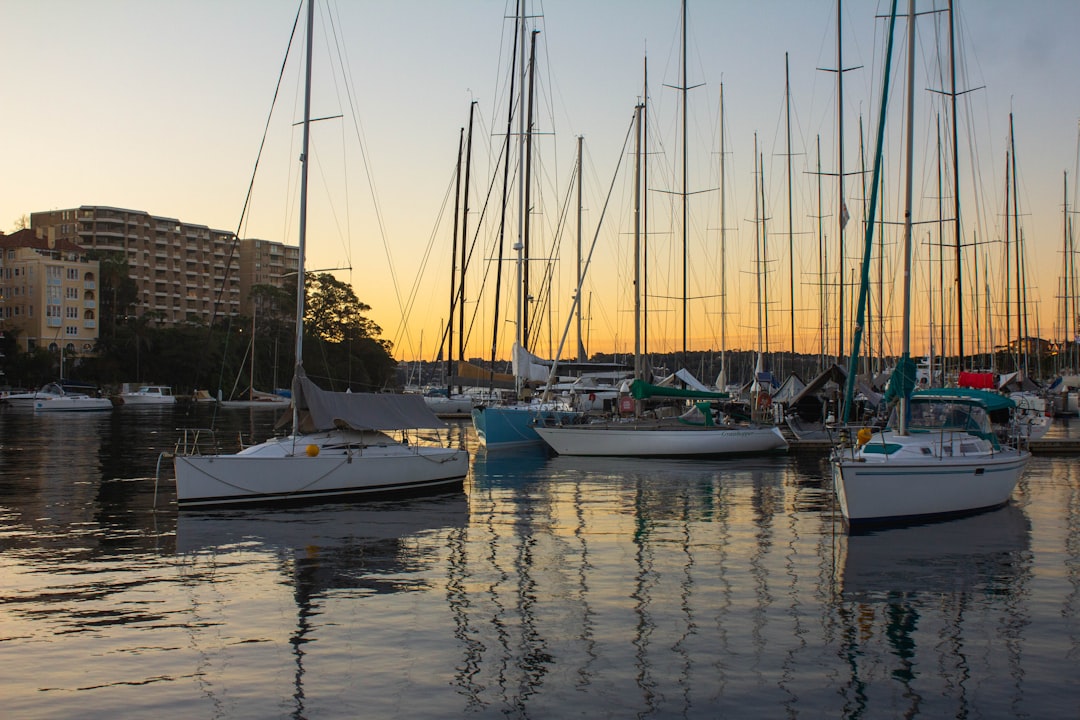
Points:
(549, 588)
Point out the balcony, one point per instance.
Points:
(89, 324)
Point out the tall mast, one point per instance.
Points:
(841, 213)
(757, 247)
(791, 222)
(645, 208)
(1008, 291)
(637, 248)
(941, 259)
(581, 347)
(763, 278)
(722, 378)
(1016, 238)
(956, 190)
(449, 361)
(685, 251)
(822, 310)
(299, 349)
(526, 209)
(519, 246)
(464, 236)
(502, 217)
(909, 160)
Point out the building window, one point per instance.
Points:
(70, 331)
(73, 273)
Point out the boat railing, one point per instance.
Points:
(197, 441)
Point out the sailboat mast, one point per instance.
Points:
(449, 362)
(757, 247)
(527, 202)
(637, 247)
(956, 191)
(842, 210)
(502, 216)
(581, 347)
(723, 254)
(1008, 290)
(464, 237)
(519, 246)
(685, 250)
(941, 258)
(1016, 240)
(305, 144)
(791, 221)
(909, 169)
(645, 207)
(821, 262)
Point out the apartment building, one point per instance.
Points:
(48, 292)
(183, 272)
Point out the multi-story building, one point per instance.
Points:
(183, 272)
(48, 292)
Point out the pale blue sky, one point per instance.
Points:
(159, 106)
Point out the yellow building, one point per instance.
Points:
(183, 272)
(48, 292)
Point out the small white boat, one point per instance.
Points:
(947, 461)
(66, 401)
(149, 395)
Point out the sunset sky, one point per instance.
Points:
(160, 106)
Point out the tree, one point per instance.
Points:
(345, 348)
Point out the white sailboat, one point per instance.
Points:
(338, 447)
(693, 435)
(938, 455)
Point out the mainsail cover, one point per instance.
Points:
(362, 411)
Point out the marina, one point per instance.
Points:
(549, 586)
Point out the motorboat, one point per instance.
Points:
(148, 395)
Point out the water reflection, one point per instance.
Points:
(324, 551)
(936, 596)
(551, 587)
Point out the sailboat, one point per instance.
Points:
(339, 446)
(511, 425)
(939, 454)
(693, 435)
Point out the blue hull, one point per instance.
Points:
(512, 426)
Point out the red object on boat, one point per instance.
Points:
(979, 381)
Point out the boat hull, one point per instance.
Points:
(283, 471)
(510, 427)
(903, 490)
(72, 404)
(662, 440)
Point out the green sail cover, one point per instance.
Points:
(642, 390)
(902, 380)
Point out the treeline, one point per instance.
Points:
(342, 347)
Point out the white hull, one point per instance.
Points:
(69, 403)
(281, 470)
(149, 395)
(919, 480)
(660, 440)
(456, 405)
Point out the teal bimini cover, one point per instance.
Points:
(986, 399)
